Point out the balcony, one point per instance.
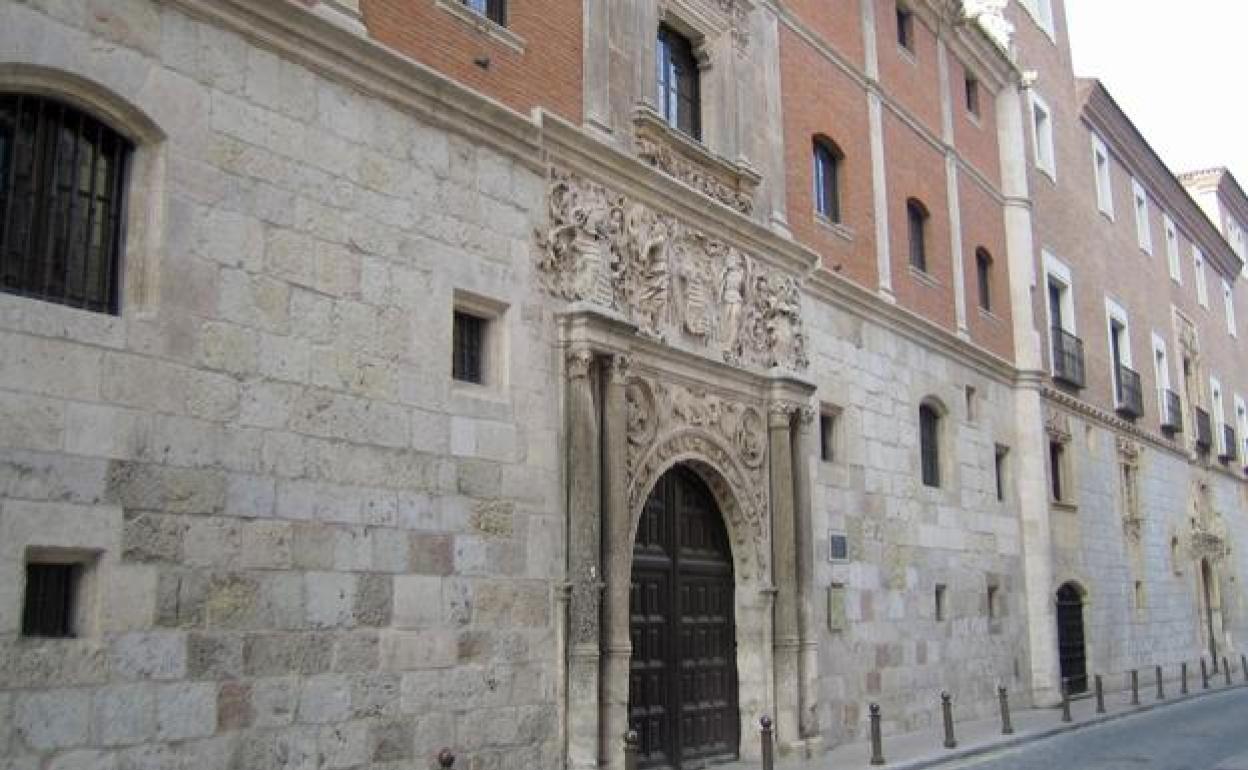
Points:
(1067, 358)
(1130, 399)
(1229, 448)
(1204, 430)
(1171, 411)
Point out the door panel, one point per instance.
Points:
(683, 688)
(1070, 641)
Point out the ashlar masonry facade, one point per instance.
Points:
(426, 377)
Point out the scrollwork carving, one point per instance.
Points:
(669, 162)
(674, 282)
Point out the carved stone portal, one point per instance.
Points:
(674, 282)
(670, 423)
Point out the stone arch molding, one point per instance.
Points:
(721, 439)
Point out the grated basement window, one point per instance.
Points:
(62, 203)
(49, 606)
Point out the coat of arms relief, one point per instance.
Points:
(675, 283)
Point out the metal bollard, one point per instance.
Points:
(1204, 674)
(1183, 678)
(765, 736)
(1135, 687)
(877, 742)
(1243, 665)
(1100, 695)
(1226, 671)
(1161, 692)
(630, 750)
(946, 705)
(446, 758)
(1066, 700)
(1004, 697)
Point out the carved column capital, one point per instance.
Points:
(780, 414)
(806, 415)
(621, 367)
(579, 362)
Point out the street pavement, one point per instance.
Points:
(1208, 733)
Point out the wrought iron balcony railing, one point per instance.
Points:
(1204, 430)
(1067, 358)
(1229, 449)
(1171, 411)
(1129, 396)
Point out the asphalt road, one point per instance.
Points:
(1208, 733)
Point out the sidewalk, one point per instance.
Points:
(913, 751)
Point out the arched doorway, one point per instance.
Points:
(682, 695)
(1072, 651)
(1206, 584)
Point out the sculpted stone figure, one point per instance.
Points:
(675, 283)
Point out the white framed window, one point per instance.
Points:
(1198, 266)
(1235, 234)
(1228, 299)
(1104, 184)
(1161, 369)
(1042, 12)
(1042, 135)
(1172, 248)
(1119, 328)
(1241, 428)
(1061, 305)
(1143, 232)
(1217, 415)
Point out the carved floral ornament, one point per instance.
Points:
(670, 423)
(1057, 424)
(673, 282)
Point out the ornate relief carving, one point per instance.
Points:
(579, 363)
(669, 422)
(672, 281)
(1128, 451)
(1207, 538)
(990, 16)
(621, 365)
(1057, 424)
(665, 159)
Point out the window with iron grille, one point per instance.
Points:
(929, 448)
(916, 216)
(827, 185)
(1057, 462)
(494, 10)
(679, 88)
(49, 602)
(62, 203)
(468, 348)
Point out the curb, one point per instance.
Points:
(1049, 732)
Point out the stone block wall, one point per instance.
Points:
(306, 546)
(880, 640)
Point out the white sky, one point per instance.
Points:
(1176, 70)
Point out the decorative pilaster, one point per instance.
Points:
(584, 561)
(787, 640)
(808, 637)
(617, 557)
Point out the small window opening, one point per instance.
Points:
(50, 602)
(983, 274)
(905, 28)
(972, 407)
(827, 436)
(929, 445)
(494, 10)
(999, 467)
(1056, 459)
(468, 348)
(992, 602)
(940, 602)
(972, 95)
(916, 217)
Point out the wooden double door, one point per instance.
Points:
(682, 697)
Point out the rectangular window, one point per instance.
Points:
(929, 447)
(1241, 427)
(1042, 12)
(1143, 232)
(916, 218)
(905, 28)
(1042, 134)
(940, 602)
(828, 419)
(1104, 184)
(999, 468)
(992, 602)
(972, 407)
(983, 276)
(494, 10)
(1228, 299)
(1057, 452)
(972, 95)
(1172, 248)
(679, 86)
(1218, 415)
(1198, 267)
(51, 590)
(838, 546)
(468, 348)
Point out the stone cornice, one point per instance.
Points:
(1122, 427)
(1125, 141)
(849, 296)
